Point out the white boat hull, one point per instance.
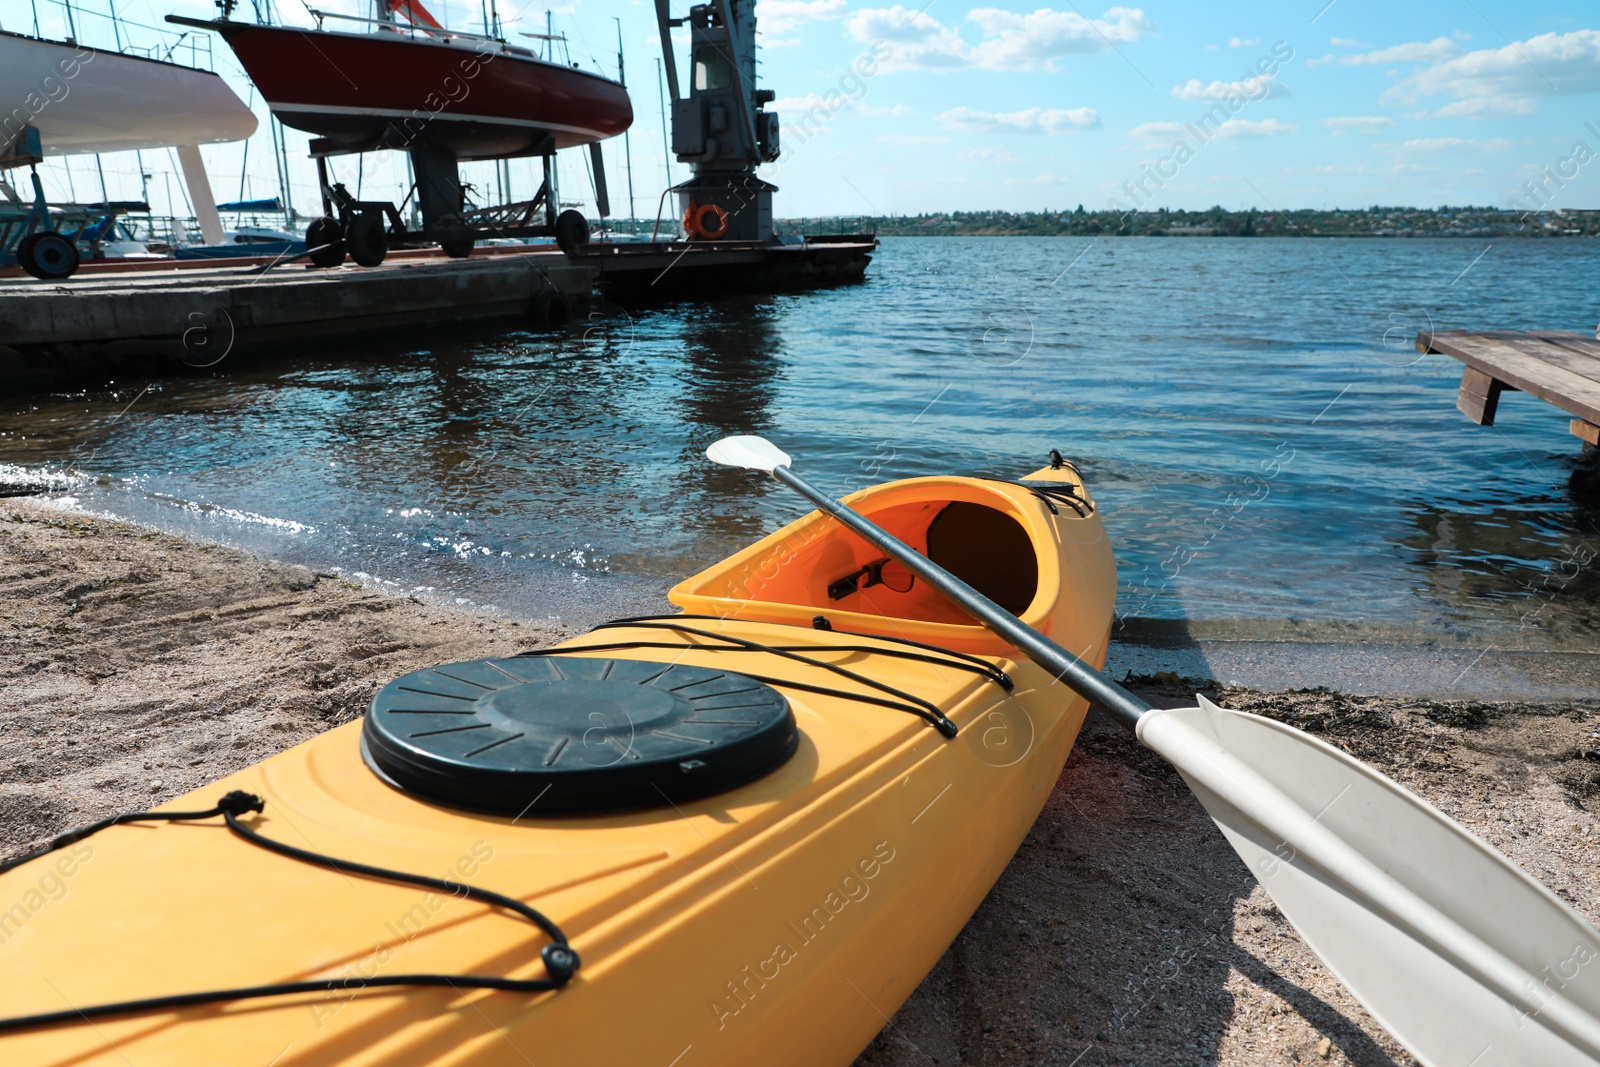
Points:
(86, 100)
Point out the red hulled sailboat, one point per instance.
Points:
(421, 86)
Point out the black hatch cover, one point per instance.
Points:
(574, 735)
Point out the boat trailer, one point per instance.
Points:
(366, 230)
(35, 246)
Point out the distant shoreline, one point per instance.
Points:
(1469, 222)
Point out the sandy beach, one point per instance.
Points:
(137, 666)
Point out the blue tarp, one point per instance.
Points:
(97, 232)
(252, 205)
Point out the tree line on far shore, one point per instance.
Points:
(1375, 221)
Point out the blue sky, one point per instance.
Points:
(1025, 107)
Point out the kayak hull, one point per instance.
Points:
(782, 922)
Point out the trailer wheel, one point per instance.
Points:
(366, 239)
(572, 231)
(324, 242)
(47, 256)
(460, 248)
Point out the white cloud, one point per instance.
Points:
(1163, 134)
(1336, 168)
(1494, 82)
(1345, 42)
(1008, 40)
(992, 154)
(1032, 120)
(1486, 107)
(1264, 88)
(779, 17)
(907, 139)
(1015, 41)
(1154, 133)
(1247, 128)
(835, 103)
(1358, 124)
(794, 105)
(1454, 145)
(1417, 51)
(1243, 42)
(917, 40)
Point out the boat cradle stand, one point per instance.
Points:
(35, 247)
(366, 229)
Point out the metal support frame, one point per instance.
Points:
(602, 196)
(504, 218)
(441, 201)
(26, 150)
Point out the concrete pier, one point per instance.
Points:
(674, 268)
(106, 324)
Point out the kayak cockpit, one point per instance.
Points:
(1001, 538)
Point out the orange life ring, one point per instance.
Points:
(688, 218)
(711, 233)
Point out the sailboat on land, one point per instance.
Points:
(85, 99)
(64, 98)
(417, 85)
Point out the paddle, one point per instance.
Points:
(1467, 960)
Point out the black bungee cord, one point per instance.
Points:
(560, 961)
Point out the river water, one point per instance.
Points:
(1270, 452)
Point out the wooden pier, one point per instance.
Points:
(1556, 366)
(146, 321)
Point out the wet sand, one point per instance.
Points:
(137, 666)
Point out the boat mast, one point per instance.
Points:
(280, 151)
(666, 150)
(244, 160)
(627, 145)
(116, 26)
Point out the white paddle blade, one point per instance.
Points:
(1459, 954)
(751, 453)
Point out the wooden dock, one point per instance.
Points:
(1556, 366)
(149, 320)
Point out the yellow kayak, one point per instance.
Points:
(753, 827)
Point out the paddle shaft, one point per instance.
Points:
(1110, 697)
(1360, 886)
